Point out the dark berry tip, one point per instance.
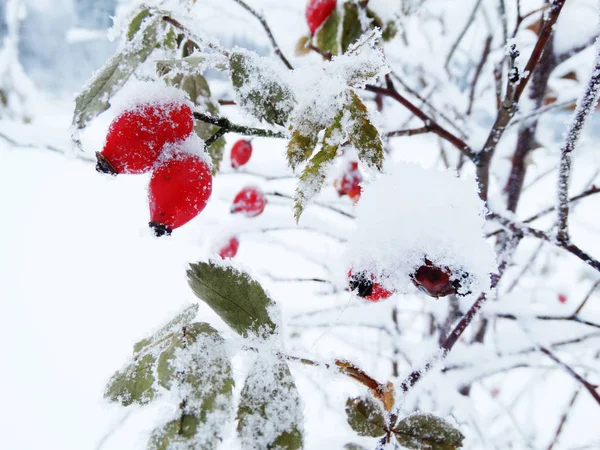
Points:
(160, 229)
(362, 285)
(103, 165)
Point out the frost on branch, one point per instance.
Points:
(414, 215)
(270, 410)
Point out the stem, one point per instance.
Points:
(231, 127)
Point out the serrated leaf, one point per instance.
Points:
(427, 432)
(95, 97)
(315, 173)
(134, 384)
(179, 321)
(136, 23)
(362, 134)
(300, 147)
(351, 26)
(177, 433)
(327, 35)
(239, 300)
(259, 89)
(366, 416)
(269, 414)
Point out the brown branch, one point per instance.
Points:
(229, 126)
(584, 110)
(563, 419)
(267, 29)
(486, 51)
(407, 132)
(592, 389)
(224, 102)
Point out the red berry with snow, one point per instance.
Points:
(135, 138)
(179, 190)
(349, 183)
(250, 201)
(434, 281)
(366, 287)
(230, 250)
(240, 153)
(317, 11)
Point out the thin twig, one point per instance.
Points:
(231, 127)
(486, 51)
(462, 34)
(564, 417)
(407, 132)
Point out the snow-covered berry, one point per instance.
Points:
(230, 249)
(365, 286)
(240, 153)
(434, 281)
(349, 182)
(250, 201)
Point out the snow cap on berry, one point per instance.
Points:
(413, 216)
(136, 94)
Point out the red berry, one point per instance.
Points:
(434, 280)
(349, 183)
(367, 288)
(317, 11)
(230, 250)
(179, 189)
(135, 138)
(562, 298)
(250, 201)
(240, 153)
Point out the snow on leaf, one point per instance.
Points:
(95, 96)
(239, 300)
(366, 416)
(362, 134)
(412, 214)
(315, 173)
(427, 432)
(270, 412)
(136, 382)
(260, 87)
(177, 433)
(136, 23)
(300, 147)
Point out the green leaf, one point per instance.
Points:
(315, 173)
(351, 27)
(300, 147)
(136, 23)
(239, 300)
(260, 90)
(427, 432)
(270, 414)
(177, 433)
(362, 134)
(95, 96)
(327, 35)
(390, 31)
(179, 321)
(352, 446)
(134, 384)
(366, 416)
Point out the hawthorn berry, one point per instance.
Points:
(250, 201)
(366, 287)
(349, 183)
(179, 190)
(317, 11)
(230, 250)
(562, 298)
(434, 281)
(135, 138)
(240, 153)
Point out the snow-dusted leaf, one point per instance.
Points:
(362, 134)
(136, 23)
(427, 432)
(351, 26)
(300, 147)
(95, 96)
(366, 416)
(239, 300)
(260, 88)
(270, 414)
(178, 433)
(135, 382)
(327, 34)
(198, 90)
(315, 173)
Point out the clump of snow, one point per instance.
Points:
(191, 145)
(414, 214)
(136, 95)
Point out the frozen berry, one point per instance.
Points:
(562, 298)
(230, 250)
(349, 183)
(240, 153)
(434, 281)
(135, 138)
(366, 287)
(250, 201)
(317, 11)
(179, 189)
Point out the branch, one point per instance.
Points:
(267, 29)
(462, 34)
(563, 419)
(231, 127)
(407, 132)
(486, 51)
(586, 384)
(390, 91)
(584, 110)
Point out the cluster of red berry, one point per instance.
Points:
(433, 280)
(181, 181)
(250, 201)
